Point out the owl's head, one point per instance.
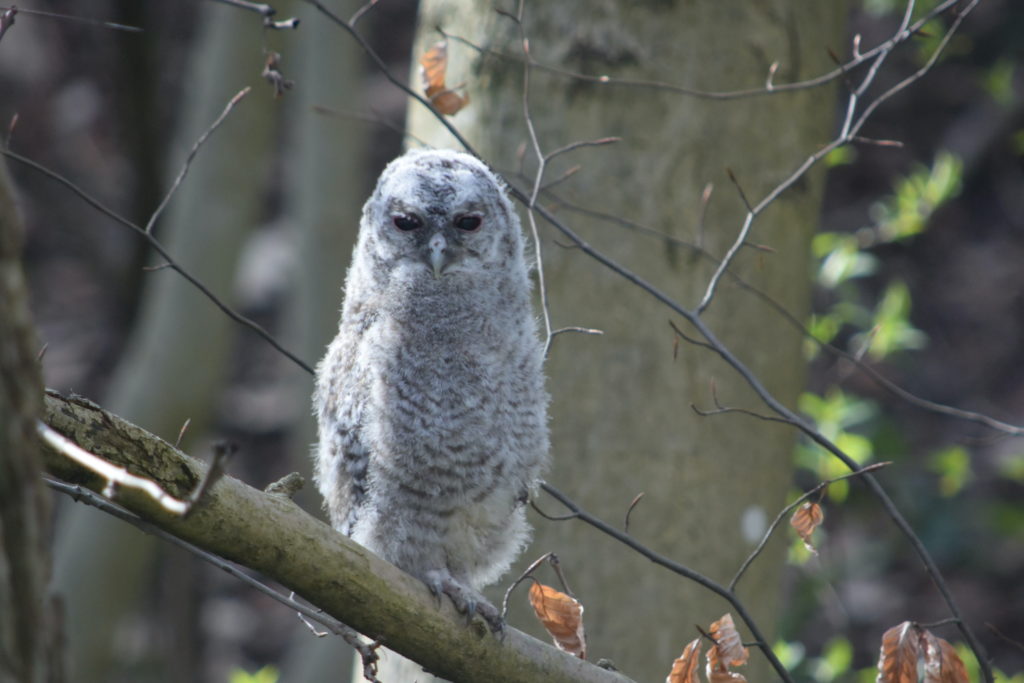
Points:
(440, 214)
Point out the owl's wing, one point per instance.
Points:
(343, 458)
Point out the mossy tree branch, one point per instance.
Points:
(271, 534)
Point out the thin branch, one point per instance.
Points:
(181, 432)
(159, 248)
(679, 569)
(7, 20)
(522, 577)
(600, 142)
(118, 477)
(789, 508)
(850, 128)
(925, 68)
(358, 14)
(541, 166)
(192, 154)
(552, 518)
(83, 495)
(258, 7)
(725, 410)
(370, 118)
(629, 510)
(578, 330)
(687, 338)
(113, 475)
(1016, 643)
(64, 17)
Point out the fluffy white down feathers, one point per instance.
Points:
(430, 400)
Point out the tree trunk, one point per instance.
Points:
(621, 414)
(29, 648)
(328, 184)
(178, 356)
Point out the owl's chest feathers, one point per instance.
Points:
(453, 389)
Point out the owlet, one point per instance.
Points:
(431, 402)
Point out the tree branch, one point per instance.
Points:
(272, 535)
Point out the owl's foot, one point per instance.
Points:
(466, 600)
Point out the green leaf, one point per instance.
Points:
(842, 259)
(267, 674)
(998, 81)
(841, 156)
(790, 654)
(953, 466)
(1012, 467)
(835, 661)
(916, 197)
(892, 330)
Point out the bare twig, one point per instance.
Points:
(64, 17)
(578, 330)
(358, 14)
(192, 155)
(118, 477)
(551, 518)
(541, 165)
(629, 510)
(258, 7)
(789, 508)
(852, 123)
(522, 577)
(181, 432)
(369, 118)
(222, 452)
(600, 142)
(1016, 643)
(115, 476)
(7, 19)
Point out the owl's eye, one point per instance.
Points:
(468, 223)
(407, 223)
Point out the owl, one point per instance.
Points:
(430, 401)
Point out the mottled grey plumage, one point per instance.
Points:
(431, 400)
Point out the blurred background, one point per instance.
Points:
(918, 268)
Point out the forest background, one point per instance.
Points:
(917, 265)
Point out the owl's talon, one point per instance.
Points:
(467, 601)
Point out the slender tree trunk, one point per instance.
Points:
(621, 415)
(179, 352)
(29, 648)
(327, 185)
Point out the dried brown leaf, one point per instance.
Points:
(562, 616)
(941, 662)
(723, 676)
(805, 520)
(897, 660)
(684, 669)
(433, 66)
(728, 650)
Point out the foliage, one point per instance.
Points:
(267, 674)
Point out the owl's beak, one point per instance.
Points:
(438, 247)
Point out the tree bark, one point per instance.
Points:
(621, 414)
(270, 534)
(29, 647)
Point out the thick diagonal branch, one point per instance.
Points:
(272, 535)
